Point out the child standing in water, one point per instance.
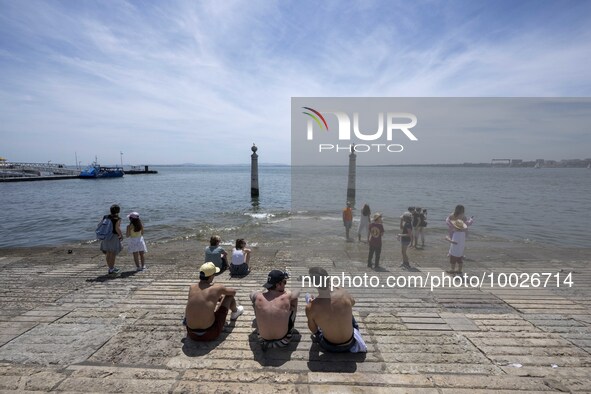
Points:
(348, 220)
(137, 246)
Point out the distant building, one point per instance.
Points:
(551, 163)
(500, 162)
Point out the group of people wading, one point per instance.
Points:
(412, 229)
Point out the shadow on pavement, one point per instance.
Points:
(275, 357)
(321, 361)
(193, 348)
(107, 277)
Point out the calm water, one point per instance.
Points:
(540, 205)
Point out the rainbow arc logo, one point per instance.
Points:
(313, 116)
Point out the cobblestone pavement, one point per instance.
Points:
(65, 327)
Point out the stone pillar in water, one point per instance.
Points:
(254, 172)
(351, 180)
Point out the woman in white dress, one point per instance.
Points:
(456, 249)
(363, 231)
(136, 244)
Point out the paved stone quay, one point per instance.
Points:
(65, 327)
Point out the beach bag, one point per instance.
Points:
(360, 346)
(104, 230)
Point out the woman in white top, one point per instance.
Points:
(240, 259)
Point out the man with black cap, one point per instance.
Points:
(204, 322)
(275, 311)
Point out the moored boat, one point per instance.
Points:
(96, 171)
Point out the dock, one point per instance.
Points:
(138, 170)
(25, 172)
(28, 172)
(38, 178)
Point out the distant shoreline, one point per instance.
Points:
(576, 163)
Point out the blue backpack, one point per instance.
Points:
(104, 230)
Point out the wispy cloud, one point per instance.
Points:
(189, 81)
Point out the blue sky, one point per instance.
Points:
(200, 81)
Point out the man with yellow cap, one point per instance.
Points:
(203, 321)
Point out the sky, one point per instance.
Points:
(174, 82)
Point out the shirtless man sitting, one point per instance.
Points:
(204, 322)
(330, 315)
(275, 311)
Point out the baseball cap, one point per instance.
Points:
(209, 269)
(275, 277)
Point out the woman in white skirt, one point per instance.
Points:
(136, 245)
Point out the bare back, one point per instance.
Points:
(333, 315)
(272, 310)
(201, 304)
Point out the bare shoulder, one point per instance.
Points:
(343, 294)
(340, 292)
(255, 294)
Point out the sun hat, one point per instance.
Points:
(275, 277)
(377, 216)
(133, 215)
(459, 224)
(209, 269)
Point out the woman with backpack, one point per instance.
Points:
(111, 244)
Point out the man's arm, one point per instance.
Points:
(294, 294)
(311, 323)
(253, 295)
(227, 291)
(293, 298)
